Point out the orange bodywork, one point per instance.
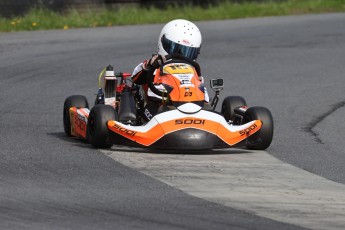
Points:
(183, 80)
(78, 118)
(157, 131)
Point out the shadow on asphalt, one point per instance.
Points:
(185, 152)
(73, 140)
(83, 144)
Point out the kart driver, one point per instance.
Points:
(178, 36)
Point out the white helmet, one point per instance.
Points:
(180, 36)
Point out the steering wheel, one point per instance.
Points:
(173, 58)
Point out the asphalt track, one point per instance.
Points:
(292, 65)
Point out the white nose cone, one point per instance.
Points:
(189, 108)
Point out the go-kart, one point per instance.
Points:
(183, 120)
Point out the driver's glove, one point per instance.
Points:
(155, 62)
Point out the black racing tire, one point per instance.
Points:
(97, 129)
(229, 104)
(78, 101)
(262, 139)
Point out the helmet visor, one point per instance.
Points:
(172, 47)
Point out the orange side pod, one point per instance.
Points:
(78, 118)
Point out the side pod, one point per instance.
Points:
(78, 118)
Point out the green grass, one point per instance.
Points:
(42, 19)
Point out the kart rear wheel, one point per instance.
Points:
(97, 128)
(262, 139)
(78, 101)
(229, 104)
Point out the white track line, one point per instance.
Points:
(252, 181)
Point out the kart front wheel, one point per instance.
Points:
(262, 139)
(78, 101)
(97, 128)
(229, 104)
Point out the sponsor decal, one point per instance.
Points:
(184, 76)
(185, 82)
(188, 94)
(185, 79)
(189, 122)
(81, 117)
(178, 68)
(124, 130)
(247, 130)
(148, 114)
(243, 108)
(185, 41)
(80, 122)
